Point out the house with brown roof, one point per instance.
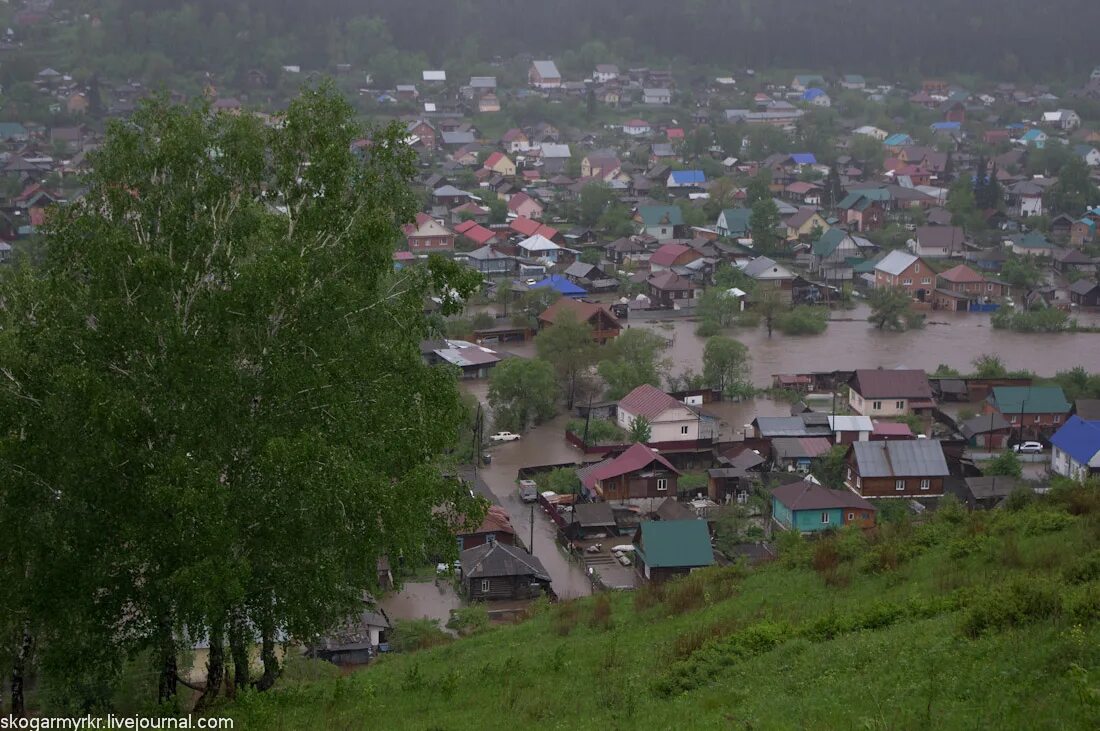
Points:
(670, 421)
(605, 327)
(668, 289)
(428, 234)
(807, 507)
(806, 223)
(495, 526)
(500, 163)
(672, 255)
(939, 242)
(637, 473)
(960, 286)
(878, 392)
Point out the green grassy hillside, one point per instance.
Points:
(986, 620)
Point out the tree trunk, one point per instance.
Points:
(169, 670)
(239, 648)
(215, 668)
(18, 674)
(267, 654)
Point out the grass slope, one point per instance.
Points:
(968, 621)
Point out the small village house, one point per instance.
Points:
(671, 422)
(807, 507)
(668, 256)
(668, 548)
(428, 235)
(902, 468)
(1035, 412)
(905, 271)
(496, 570)
(1076, 449)
(669, 290)
(544, 75)
(878, 392)
(605, 327)
(496, 526)
(637, 473)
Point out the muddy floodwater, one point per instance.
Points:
(422, 600)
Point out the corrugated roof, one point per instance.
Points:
(806, 495)
(667, 254)
(675, 544)
(1078, 438)
(497, 559)
(901, 458)
(649, 401)
(895, 262)
(583, 311)
(800, 447)
(633, 459)
(788, 426)
(851, 423)
(1030, 400)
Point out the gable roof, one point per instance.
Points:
(633, 459)
(896, 262)
(670, 280)
(737, 219)
(649, 402)
(546, 69)
(1078, 438)
(961, 274)
(1030, 399)
(666, 254)
(803, 215)
(900, 458)
(560, 284)
(497, 559)
(675, 543)
(658, 215)
(948, 237)
(881, 383)
(806, 495)
(800, 447)
(582, 311)
(687, 177)
(983, 424)
(764, 268)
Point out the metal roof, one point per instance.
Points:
(675, 543)
(806, 495)
(851, 423)
(895, 262)
(498, 559)
(1079, 439)
(901, 458)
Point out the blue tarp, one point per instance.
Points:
(562, 285)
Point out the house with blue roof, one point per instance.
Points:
(899, 139)
(1036, 138)
(946, 126)
(686, 179)
(817, 97)
(561, 285)
(804, 158)
(1076, 452)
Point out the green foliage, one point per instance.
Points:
(469, 620)
(890, 308)
(1078, 383)
(726, 366)
(803, 321)
(567, 345)
(522, 393)
(410, 635)
(634, 358)
(600, 431)
(1045, 319)
(1021, 273)
(640, 431)
(1006, 464)
(1074, 191)
(764, 224)
(594, 200)
(830, 468)
(989, 365)
(562, 480)
(717, 308)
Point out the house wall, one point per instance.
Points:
(1063, 464)
(501, 587)
(431, 243)
(887, 486)
(668, 427)
(1030, 425)
(877, 407)
(630, 486)
(815, 521)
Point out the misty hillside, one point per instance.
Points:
(1009, 38)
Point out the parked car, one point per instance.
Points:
(528, 491)
(504, 436)
(1028, 448)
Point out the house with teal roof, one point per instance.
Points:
(1032, 411)
(664, 549)
(660, 222)
(1036, 138)
(836, 247)
(13, 132)
(734, 222)
(1033, 243)
(853, 81)
(899, 139)
(802, 82)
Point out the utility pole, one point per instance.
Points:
(531, 542)
(477, 440)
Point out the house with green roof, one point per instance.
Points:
(1033, 412)
(836, 247)
(13, 132)
(853, 81)
(660, 222)
(802, 82)
(664, 549)
(734, 222)
(1033, 243)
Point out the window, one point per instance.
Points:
(876, 405)
(824, 518)
(484, 586)
(899, 484)
(1038, 418)
(989, 287)
(851, 516)
(899, 405)
(683, 430)
(849, 474)
(926, 484)
(1012, 419)
(908, 282)
(926, 280)
(859, 483)
(662, 484)
(1057, 418)
(916, 267)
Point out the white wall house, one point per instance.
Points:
(669, 420)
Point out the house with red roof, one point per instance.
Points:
(670, 421)
(672, 255)
(524, 206)
(475, 233)
(637, 473)
(527, 228)
(500, 163)
(605, 326)
(960, 286)
(495, 527)
(427, 234)
(674, 134)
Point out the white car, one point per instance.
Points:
(504, 436)
(1028, 448)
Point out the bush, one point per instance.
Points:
(1046, 319)
(687, 643)
(601, 613)
(417, 634)
(707, 328)
(469, 620)
(600, 431)
(803, 321)
(1022, 602)
(648, 596)
(825, 557)
(1084, 569)
(1082, 604)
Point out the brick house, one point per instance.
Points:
(906, 271)
(427, 234)
(1034, 412)
(960, 286)
(904, 468)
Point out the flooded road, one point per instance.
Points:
(422, 600)
(847, 345)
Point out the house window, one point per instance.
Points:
(1057, 418)
(989, 287)
(876, 405)
(662, 484)
(899, 405)
(907, 282)
(683, 430)
(484, 586)
(1038, 418)
(851, 516)
(849, 474)
(824, 518)
(1012, 419)
(899, 484)
(926, 484)
(926, 280)
(916, 267)
(859, 483)
(490, 537)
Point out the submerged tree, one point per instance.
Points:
(215, 414)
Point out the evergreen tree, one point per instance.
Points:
(993, 192)
(834, 192)
(949, 167)
(981, 178)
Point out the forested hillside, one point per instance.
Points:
(1006, 39)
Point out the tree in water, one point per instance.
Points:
(890, 308)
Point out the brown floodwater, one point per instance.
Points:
(422, 600)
